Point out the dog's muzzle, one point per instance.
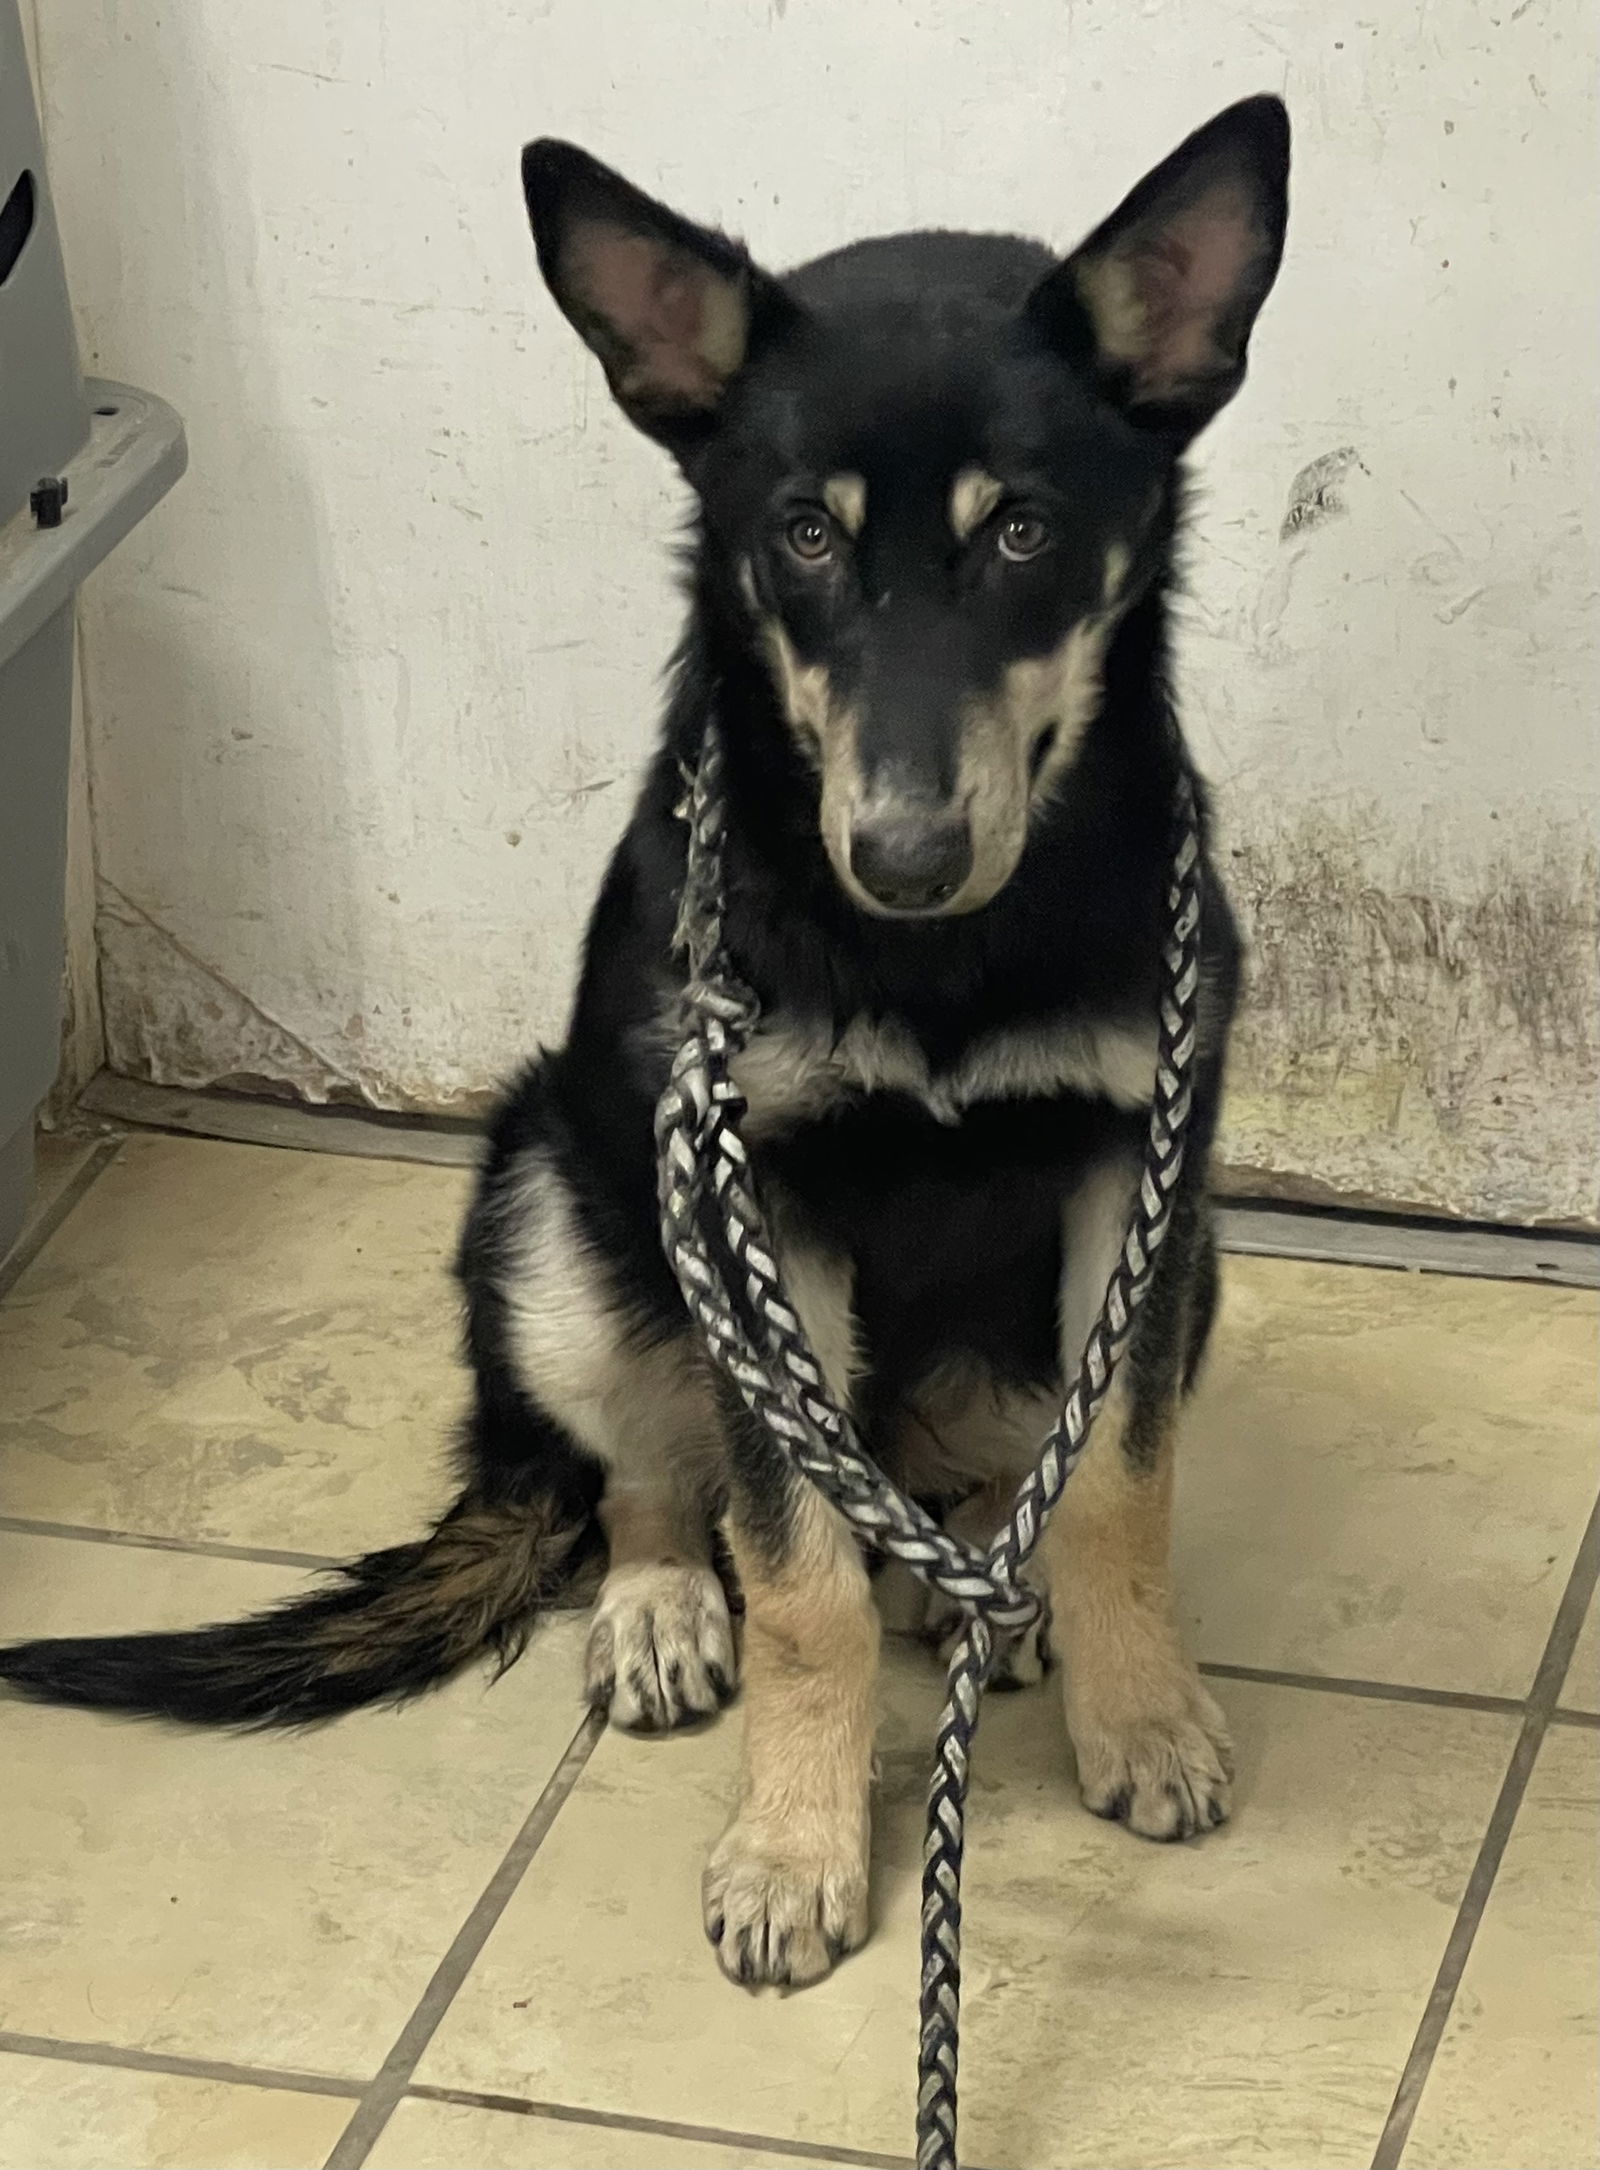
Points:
(911, 862)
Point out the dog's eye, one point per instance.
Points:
(809, 537)
(1022, 535)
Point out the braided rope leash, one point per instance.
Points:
(717, 1241)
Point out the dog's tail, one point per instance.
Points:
(393, 1623)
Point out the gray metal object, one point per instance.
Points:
(1352, 1239)
(94, 457)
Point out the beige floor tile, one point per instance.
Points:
(1249, 2001)
(268, 1900)
(1582, 1688)
(229, 1342)
(1385, 1475)
(1516, 2083)
(56, 2116)
(453, 2136)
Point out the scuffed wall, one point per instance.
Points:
(1416, 1036)
(367, 695)
(1396, 710)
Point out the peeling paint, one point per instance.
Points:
(173, 1017)
(1315, 495)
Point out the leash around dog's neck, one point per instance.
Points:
(729, 1279)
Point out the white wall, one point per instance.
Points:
(367, 695)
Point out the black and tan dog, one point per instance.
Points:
(938, 480)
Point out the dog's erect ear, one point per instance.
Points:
(672, 309)
(1159, 302)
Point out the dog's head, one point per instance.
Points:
(934, 471)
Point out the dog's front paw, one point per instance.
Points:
(1156, 1755)
(777, 1915)
(660, 1648)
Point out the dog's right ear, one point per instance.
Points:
(673, 310)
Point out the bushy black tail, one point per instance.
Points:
(394, 1623)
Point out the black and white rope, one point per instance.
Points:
(720, 1249)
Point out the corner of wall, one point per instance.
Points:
(29, 12)
(83, 1041)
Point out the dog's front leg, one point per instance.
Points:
(786, 1886)
(785, 1889)
(1151, 1744)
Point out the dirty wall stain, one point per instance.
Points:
(1413, 1034)
(1416, 1032)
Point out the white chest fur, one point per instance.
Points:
(789, 1074)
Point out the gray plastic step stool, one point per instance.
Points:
(118, 452)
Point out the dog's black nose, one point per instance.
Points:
(911, 862)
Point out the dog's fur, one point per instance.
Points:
(939, 487)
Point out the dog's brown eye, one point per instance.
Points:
(1022, 536)
(810, 537)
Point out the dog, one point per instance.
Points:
(939, 486)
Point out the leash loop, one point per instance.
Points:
(718, 1243)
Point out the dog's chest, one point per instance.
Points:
(794, 1073)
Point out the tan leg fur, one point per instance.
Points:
(785, 1890)
(1151, 1744)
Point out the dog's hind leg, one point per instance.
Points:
(1151, 1744)
(961, 1425)
(785, 1890)
(635, 1394)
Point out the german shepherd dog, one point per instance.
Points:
(938, 483)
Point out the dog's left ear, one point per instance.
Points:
(1159, 302)
(672, 309)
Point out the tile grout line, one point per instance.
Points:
(33, 1240)
(1540, 1710)
(281, 2079)
(664, 2128)
(177, 2066)
(384, 2091)
(1267, 1676)
(1372, 1691)
(81, 1533)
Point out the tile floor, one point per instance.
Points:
(467, 1934)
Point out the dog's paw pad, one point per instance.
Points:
(1166, 1773)
(774, 1917)
(660, 1649)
